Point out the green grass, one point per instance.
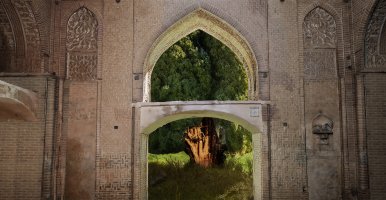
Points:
(171, 177)
(240, 162)
(165, 159)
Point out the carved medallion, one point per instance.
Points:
(319, 29)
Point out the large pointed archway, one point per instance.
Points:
(148, 116)
(201, 19)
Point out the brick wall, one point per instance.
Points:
(80, 135)
(288, 164)
(274, 31)
(371, 109)
(375, 90)
(26, 147)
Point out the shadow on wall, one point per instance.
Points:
(6, 54)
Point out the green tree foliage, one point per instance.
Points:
(198, 67)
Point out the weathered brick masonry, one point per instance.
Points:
(314, 63)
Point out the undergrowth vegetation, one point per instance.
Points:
(172, 177)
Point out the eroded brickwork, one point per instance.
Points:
(314, 58)
(25, 162)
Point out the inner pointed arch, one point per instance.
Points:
(201, 19)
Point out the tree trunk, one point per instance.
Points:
(203, 144)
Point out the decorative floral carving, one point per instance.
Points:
(82, 66)
(319, 29)
(373, 58)
(82, 31)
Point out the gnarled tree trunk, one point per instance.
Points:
(203, 144)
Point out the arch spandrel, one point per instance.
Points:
(201, 19)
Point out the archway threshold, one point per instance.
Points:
(148, 116)
(17, 103)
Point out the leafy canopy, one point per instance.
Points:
(198, 67)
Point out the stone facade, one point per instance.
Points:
(318, 67)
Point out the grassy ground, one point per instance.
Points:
(171, 177)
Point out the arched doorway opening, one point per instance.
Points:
(150, 116)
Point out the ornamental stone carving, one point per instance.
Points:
(82, 48)
(31, 34)
(28, 20)
(82, 67)
(319, 29)
(323, 127)
(82, 31)
(373, 58)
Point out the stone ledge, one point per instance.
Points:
(17, 103)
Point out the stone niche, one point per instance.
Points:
(322, 126)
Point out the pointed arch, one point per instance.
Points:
(374, 44)
(15, 26)
(201, 19)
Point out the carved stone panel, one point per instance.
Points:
(319, 29)
(373, 58)
(320, 64)
(28, 20)
(31, 34)
(82, 31)
(81, 67)
(81, 44)
(323, 127)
